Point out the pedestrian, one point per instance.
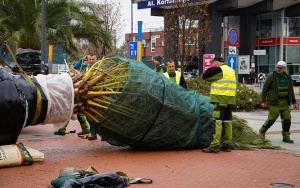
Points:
(159, 65)
(174, 75)
(223, 97)
(252, 76)
(278, 94)
(261, 79)
(83, 65)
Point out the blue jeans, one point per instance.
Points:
(261, 85)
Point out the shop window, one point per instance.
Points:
(294, 27)
(292, 54)
(265, 28)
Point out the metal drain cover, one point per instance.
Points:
(35, 140)
(282, 185)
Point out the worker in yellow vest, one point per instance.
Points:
(223, 97)
(173, 74)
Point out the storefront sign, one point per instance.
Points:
(276, 41)
(291, 41)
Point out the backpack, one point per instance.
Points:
(260, 76)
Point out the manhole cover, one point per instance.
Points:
(35, 140)
(37, 135)
(282, 185)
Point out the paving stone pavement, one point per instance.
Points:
(257, 118)
(174, 169)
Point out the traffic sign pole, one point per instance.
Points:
(140, 38)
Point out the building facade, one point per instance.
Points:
(152, 44)
(266, 31)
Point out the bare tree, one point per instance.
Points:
(110, 14)
(186, 32)
(111, 21)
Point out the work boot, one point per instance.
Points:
(213, 149)
(92, 137)
(83, 133)
(288, 140)
(226, 148)
(60, 133)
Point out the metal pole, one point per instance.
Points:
(281, 36)
(43, 37)
(131, 36)
(140, 38)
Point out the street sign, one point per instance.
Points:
(231, 62)
(232, 50)
(132, 49)
(259, 52)
(233, 36)
(159, 3)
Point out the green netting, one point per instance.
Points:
(154, 113)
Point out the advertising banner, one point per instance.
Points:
(243, 64)
(206, 61)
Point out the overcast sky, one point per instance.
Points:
(139, 15)
(149, 22)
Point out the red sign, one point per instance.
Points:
(227, 44)
(276, 41)
(269, 42)
(206, 61)
(291, 41)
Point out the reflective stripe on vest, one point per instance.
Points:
(177, 76)
(225, 86)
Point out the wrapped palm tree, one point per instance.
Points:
(130, 105)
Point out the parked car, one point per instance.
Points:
(30, 62)
(296, 79)
(189, 75)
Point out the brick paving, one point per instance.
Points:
(174, 169)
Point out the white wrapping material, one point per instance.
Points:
(35, 154)
(58, 126)
(59, 91)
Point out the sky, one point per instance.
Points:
(139, 15)
(149, 22)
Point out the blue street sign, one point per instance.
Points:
(159, 3)
(233, 36)
(231, 61)
(132, 49)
